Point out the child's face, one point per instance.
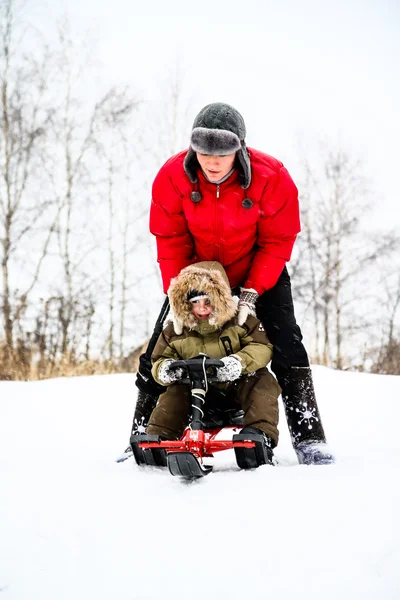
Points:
(201, 308)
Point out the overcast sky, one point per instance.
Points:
(298, 70)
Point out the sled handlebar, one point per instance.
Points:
(198, 368)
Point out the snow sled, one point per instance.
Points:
(189, 457)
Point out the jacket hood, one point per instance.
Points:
(210, 279)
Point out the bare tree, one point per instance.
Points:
(25, 119)
(385, 354)
(170, 120)
(81, 135)
(339, 252)
(166, 133)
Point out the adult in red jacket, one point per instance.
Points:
(222, 201)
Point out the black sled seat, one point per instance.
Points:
(216, 418)
(221, 410)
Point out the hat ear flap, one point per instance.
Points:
(191, 164)
(244, 166)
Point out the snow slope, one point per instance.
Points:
(75, 525)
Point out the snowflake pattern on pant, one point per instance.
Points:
(295, 436)
(301, 410)
(140, 426)
(306, 415)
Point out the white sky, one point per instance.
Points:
(298, 71)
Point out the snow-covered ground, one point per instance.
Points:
(76, 525)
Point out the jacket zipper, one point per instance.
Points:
(217, 227)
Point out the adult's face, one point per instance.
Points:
(215, 167)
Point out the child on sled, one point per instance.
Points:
(204, 321)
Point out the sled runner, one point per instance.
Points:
(188, 457)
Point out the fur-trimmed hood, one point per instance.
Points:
(206, 277)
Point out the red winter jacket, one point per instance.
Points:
(253, 244)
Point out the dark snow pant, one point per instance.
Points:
(257, 393)
(275, 310)
(290, 364)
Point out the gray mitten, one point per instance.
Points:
(231, 370)
(166, 374)
(247, 304)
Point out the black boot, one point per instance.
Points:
(148, 393)
(303, 418)
(261, 454)
(144, 407)
(149, 389)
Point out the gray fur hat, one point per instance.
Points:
(219, 129)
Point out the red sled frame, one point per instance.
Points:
(185, 457)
